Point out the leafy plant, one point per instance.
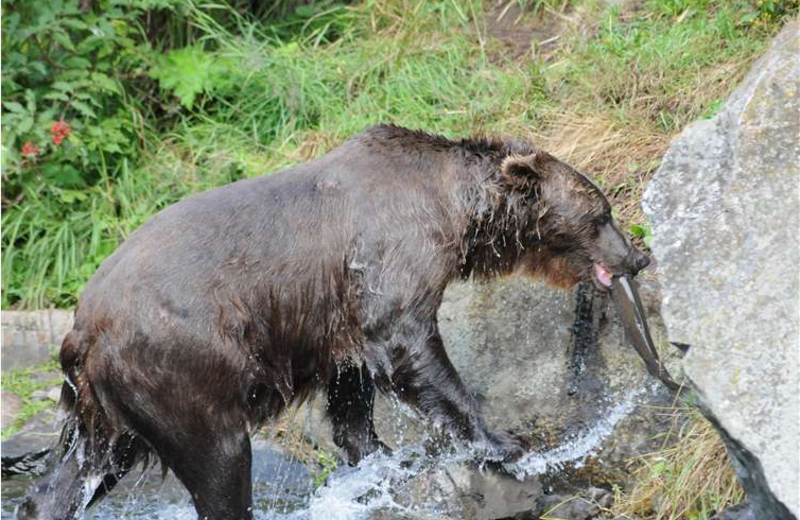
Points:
(67, 116)
(191, 71)
(327, 463)
(642, 231)
(770, 11)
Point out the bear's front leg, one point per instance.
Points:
(422, 375)
(351, 395)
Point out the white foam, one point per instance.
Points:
(579, 447)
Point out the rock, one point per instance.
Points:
(586, 505)
(393, 513)
(566, 507)
(29, 338)
(461, 490)
(29, 464)
(39, 433)
(48, 394)
(11, 405)
(725, 217)
(28, 451)
(601, 497)
(512, 343)
(738, 512)
(54, 394)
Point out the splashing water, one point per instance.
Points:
(283, 489)
(578, 447)
(354, 493)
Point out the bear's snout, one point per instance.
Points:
(638, 261)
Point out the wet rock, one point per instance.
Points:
(725, 218)
(738, 512)
(52, 394)
(39, 433)
(565, 507)
(394, 513)
(587, 505)
(27, 452)
(279, 476)
(11, 406)
(29, 338)
(29, 464)
(462, 490)
(512, 343)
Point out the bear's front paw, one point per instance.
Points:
(356, 452)
(505, 446)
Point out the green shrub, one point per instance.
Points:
(69, 124)
(67, 116)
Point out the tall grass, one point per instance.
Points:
(608, 100)
(690, 478)
(54, 242)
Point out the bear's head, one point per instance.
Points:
(571, 235)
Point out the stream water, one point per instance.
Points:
(283, 488)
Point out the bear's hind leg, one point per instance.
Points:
(82, 475)
(351, 395)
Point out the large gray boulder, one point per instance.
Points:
(725, 213)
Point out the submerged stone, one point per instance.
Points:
(465, 491)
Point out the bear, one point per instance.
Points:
(233, 304)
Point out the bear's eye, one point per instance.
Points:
(602, 220)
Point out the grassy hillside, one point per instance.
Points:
(177, 97)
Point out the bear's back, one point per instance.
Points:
(276, 230)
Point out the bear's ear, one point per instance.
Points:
(523, 172)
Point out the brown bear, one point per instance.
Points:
(231, 305)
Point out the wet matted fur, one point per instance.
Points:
(231, 305)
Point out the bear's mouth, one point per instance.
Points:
(603, 276)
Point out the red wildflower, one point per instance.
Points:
(59, 131)
(30, 150)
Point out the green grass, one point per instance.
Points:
(655, 66)
(24, 383)
(326, 464)
(619, 96)
(690, 478)
(278, 93)
(56, 240)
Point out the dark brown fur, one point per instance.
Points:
(234, 304)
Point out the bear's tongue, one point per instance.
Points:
(603, 274)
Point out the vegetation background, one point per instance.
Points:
(114, 109)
